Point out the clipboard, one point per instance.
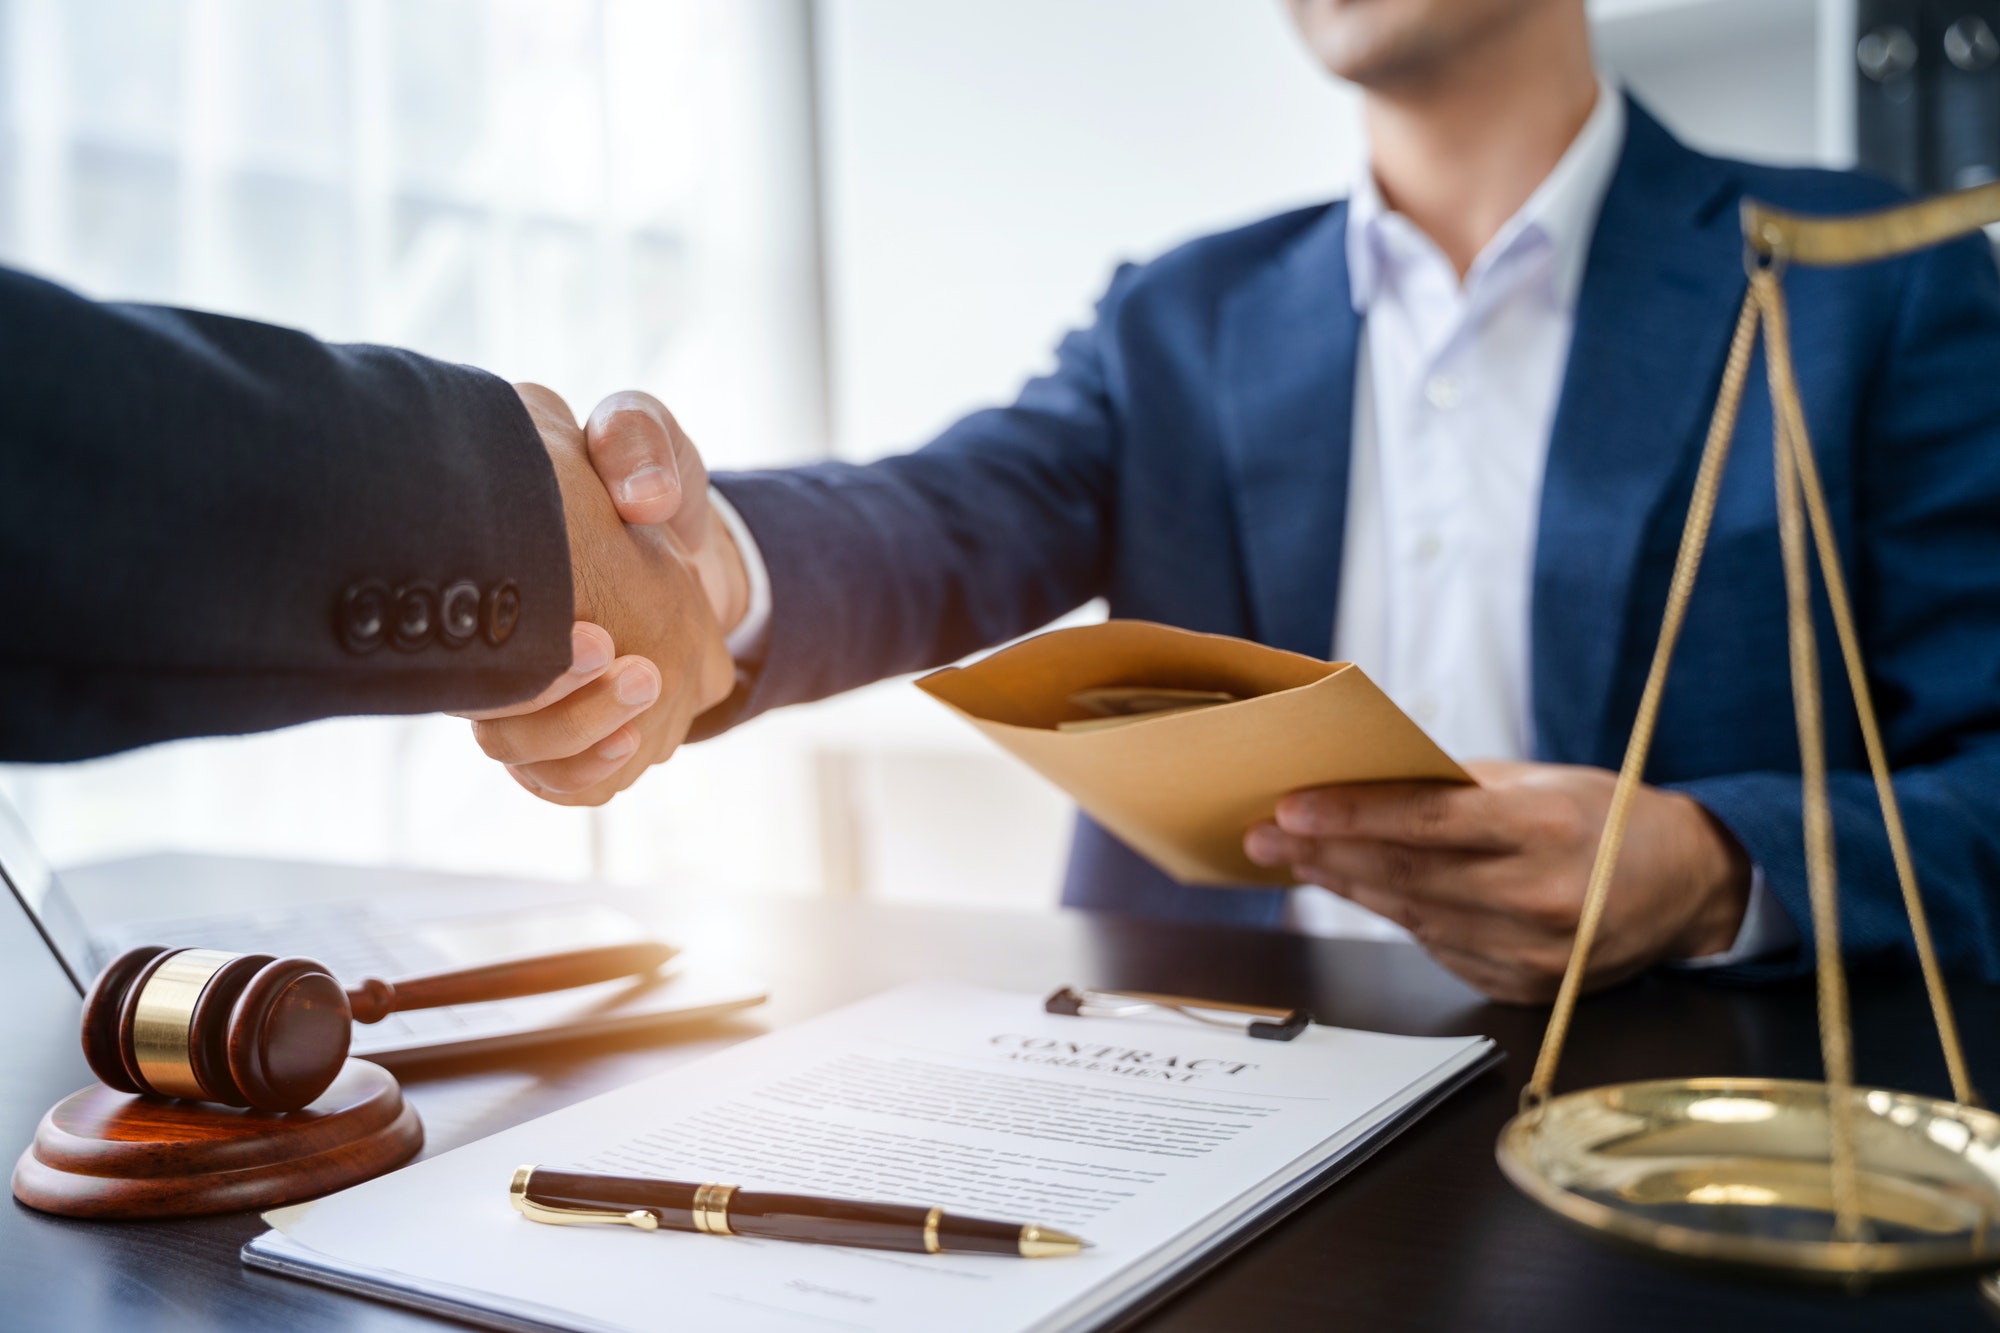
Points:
(1249, 1019)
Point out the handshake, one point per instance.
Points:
(656, 572)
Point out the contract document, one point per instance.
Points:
(1157, 1140)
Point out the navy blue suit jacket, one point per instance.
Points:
(1188, 458)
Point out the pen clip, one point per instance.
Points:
(517, 1194)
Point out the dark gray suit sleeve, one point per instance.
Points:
(992, 530)
(211, 526)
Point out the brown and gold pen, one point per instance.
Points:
(568, 1198)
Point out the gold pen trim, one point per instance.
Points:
(1048, 1243)
(931, 1220)
(517, 1194)
(711, 1209)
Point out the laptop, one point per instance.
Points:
(380, 932)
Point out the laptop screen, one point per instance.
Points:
(35, 886)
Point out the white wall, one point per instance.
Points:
(593, 195)
(986, 165)
(1736, 77)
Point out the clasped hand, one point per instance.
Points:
(655, 574)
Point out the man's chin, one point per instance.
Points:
(1387, 45)
(1385, 71)
(1380, 55)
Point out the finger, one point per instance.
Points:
(632, 449)
(576, 724)
(1419, 813)
(1268, 845)
(648, 465)
(590, 651)
(1474, 947)
(1496, 981)
(579, 773)
(1525, 977)
(1507, 946)
(1435, 926)
(1433, 874)
(547, 408)
(622, 775)
(1438, 875)
(1389, 906)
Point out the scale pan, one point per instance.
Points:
(1737, 1171)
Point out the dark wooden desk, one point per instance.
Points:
(1425, 1236)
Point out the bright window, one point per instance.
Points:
(589, 193)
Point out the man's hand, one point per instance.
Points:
(1491, 879)
(655, 475)
(653, 574)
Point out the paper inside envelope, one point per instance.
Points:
(1182, 787)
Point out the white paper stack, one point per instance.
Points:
(1157, 1140)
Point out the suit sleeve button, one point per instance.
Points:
(416, 614)
(458, 614)
(361, 619)
(503, 612)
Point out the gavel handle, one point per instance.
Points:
(374, 1000)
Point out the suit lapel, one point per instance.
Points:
(1659, 295)
(1285, 365)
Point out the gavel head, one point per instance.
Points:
(241, 1029)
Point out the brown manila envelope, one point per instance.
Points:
(1133, 720)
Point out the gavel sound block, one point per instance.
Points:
(172, 1032)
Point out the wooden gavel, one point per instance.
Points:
(254, 1030)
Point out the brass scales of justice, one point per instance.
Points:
(1814, 1178)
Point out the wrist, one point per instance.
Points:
(1719, 874)
(724, 576)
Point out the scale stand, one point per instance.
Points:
(1824, 1178)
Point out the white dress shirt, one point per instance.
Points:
(1456, 386)
(1455, 391)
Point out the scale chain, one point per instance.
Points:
(1694, 539)
(1822, 873)
(1789, 410)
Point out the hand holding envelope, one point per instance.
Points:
(1197, 749)
(1179, 742)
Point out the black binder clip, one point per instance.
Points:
(1264, 1024)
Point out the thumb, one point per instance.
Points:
(648, 465)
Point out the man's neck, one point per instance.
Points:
(1458, 148)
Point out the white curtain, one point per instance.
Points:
(588, 193)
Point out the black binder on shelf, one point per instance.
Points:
(1888, 95)
(1927, 92)
(1965, 88)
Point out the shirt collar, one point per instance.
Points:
(1563, 209)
